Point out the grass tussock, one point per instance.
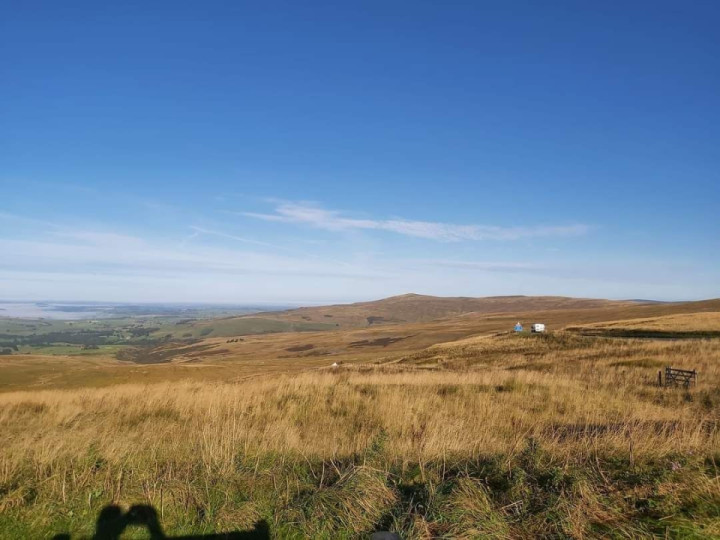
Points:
(470, 441)
(468, 512)
(354, 503)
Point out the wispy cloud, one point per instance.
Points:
(53, 260)
(101, 238)
(110, 255)
(22, 221)
(211, 232)
(332, 220)
(488, 266)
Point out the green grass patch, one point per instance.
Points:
(530, 494)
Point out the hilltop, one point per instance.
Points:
(402, 309)
(414, 308)
(417, 309)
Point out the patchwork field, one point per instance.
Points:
(453, 428)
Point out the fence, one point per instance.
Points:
(677, 377)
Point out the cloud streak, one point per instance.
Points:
(202, 230)
(84, 264)
(332, 220)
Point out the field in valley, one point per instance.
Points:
(452, 427)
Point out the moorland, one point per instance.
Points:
(426, 416)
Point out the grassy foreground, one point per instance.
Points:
(558, 436)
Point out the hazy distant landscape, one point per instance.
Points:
(97, 310)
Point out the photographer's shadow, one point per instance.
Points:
(112, 523)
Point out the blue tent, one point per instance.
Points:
(518, 327)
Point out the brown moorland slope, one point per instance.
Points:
(415, 308)
(412, 308)
(226, 359)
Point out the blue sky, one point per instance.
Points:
(337, 151)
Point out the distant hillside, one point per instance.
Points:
(654, 309)
(493, 311)
(412, 308)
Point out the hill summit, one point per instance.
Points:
(413, 307)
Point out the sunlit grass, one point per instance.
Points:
(495, 437)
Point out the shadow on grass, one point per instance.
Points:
(112, 523)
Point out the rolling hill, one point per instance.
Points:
(414, 308)
(309, 338)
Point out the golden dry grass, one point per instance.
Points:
(684, 322)
(426, 415)
(556, 435)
